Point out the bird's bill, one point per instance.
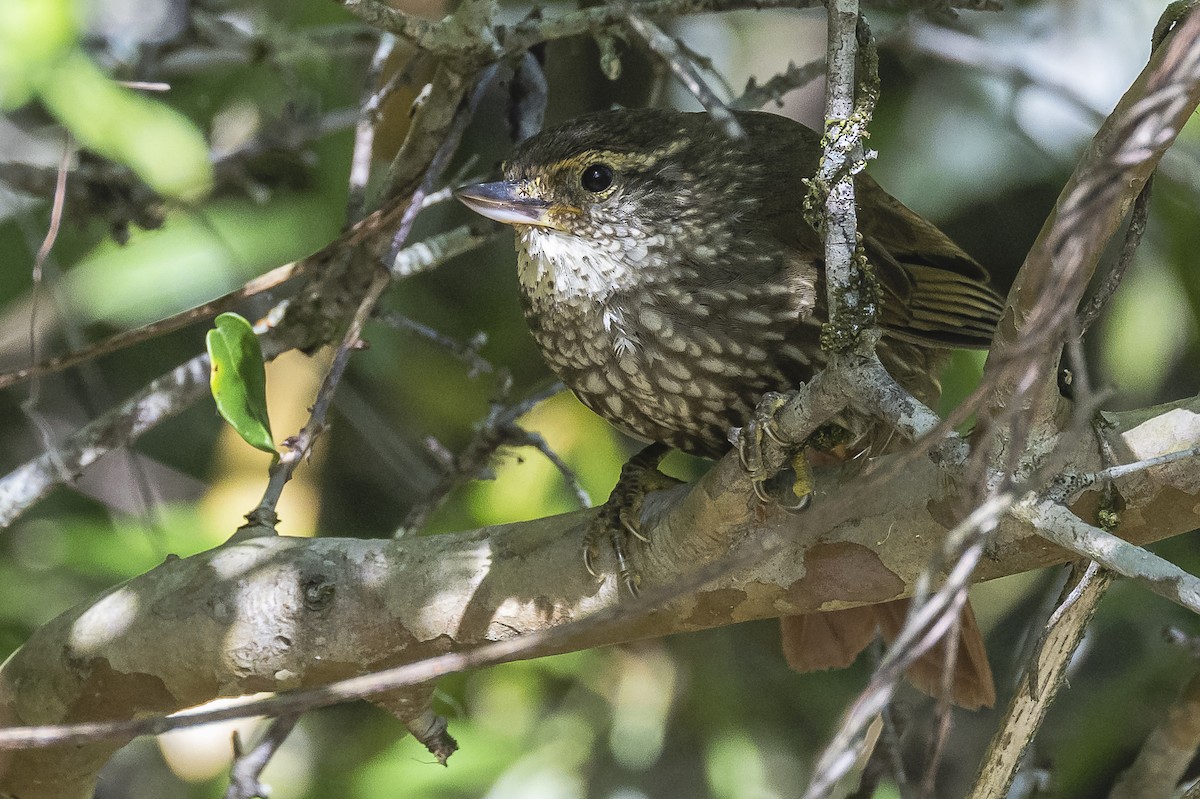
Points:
(505, 202)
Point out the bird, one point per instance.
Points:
(670, 278)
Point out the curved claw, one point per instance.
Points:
(630, 582)
(760, 492)
(768, 429)
(801, 503)
(741, 451)
(616, 526)
(624, 571)
(633, 531)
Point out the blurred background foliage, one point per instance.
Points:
(981, 119)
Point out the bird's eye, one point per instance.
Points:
(596, 178)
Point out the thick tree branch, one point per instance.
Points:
(280, 613)
(1107, 180)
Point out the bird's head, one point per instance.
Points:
(619, 175)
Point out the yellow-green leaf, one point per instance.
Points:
(157, 142)
(34, 37)
(239, 381)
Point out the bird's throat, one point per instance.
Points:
(554, 266)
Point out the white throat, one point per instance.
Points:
(559, 271)
(559, 266)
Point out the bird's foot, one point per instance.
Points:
(619, 519)
(773, 487)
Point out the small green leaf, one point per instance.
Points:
(239, 381)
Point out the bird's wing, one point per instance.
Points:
(933, 291)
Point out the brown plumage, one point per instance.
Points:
(670, 278)
(674, 297)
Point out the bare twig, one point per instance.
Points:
(437, 249)
(364, 132)
(705, 63)
(1076, 484)
(1060, 526)
(1111, 280)
(145, 85)
(159, 400)
(467, 352)
(682, 65)
(297, 447)
(248, 766)
(418, 257)
(30, 405)
(499, 429)
(930, 616)
(263, 516)
(1111, 174)
(757, 95)
(452, 132)
(1043, 677)
(942, 716)
(273, 279)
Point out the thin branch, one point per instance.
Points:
(1060, 526)
(159, 400)
(467, 352)
(248, 766)
(535, 440)
(263, 517)
(119, 341)
(298, 447)
(440, 248)
(1073, 485)
(685, 70)
(1108, 284)
(929, 615)
(364, 131)
(499, 429)
(145, 85)
(1044, 675)
(1051, 282)
(705, 63)
(30, 405)
(794, 77)
(942, 716)
(452, 132)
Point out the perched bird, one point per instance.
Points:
(670, 279)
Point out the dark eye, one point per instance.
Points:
(596, 177)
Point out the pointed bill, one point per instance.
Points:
(504, 202)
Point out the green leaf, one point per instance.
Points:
(239, 381)
(157, 142)
(34, 36)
